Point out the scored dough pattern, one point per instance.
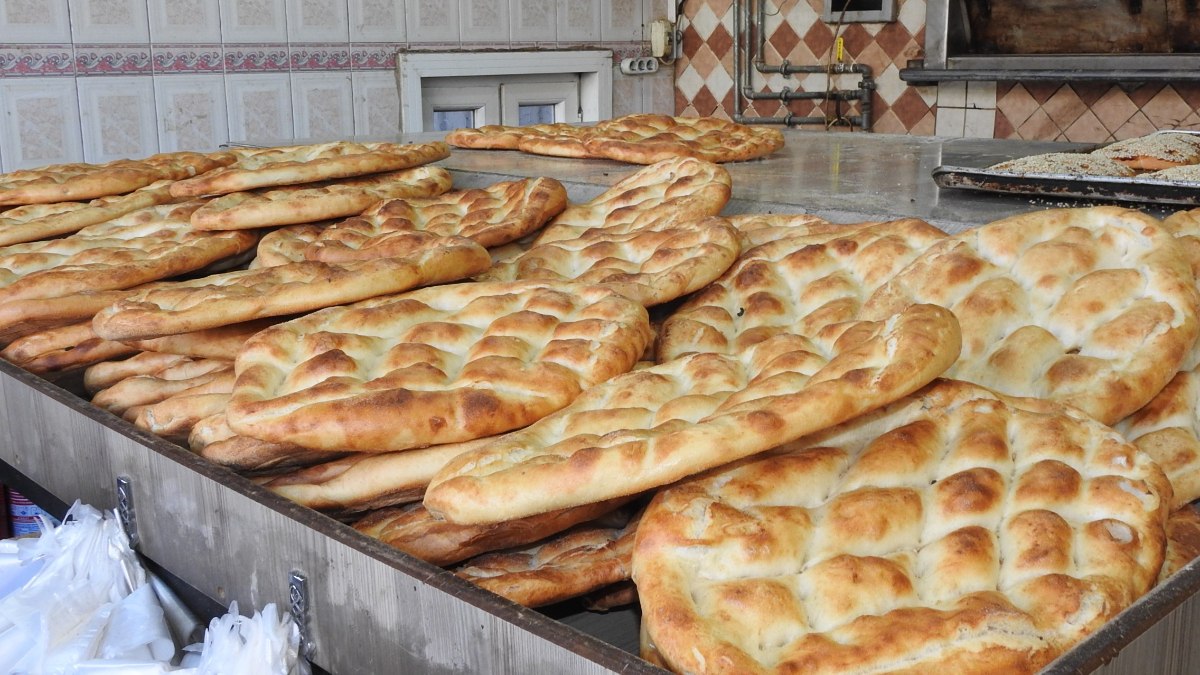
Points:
(950, 520)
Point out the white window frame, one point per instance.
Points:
(594, 68)
(483, 99)
(562, 94)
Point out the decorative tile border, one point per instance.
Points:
(174, 58)
(93, 59)
(264, 58)
(39, 61)
(310, 57)
(375, 55)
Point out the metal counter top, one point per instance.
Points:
(842, 176)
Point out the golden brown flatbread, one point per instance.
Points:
(64, 348)
(311, 203)
(75, 182)
(649, 138)
(1183, 541)
(212, 439)
(246, 295)
(953, 531)
(267, 167)
(436, 365)
(491, 216)
(45, 221)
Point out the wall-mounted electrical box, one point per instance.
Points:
(858, 11)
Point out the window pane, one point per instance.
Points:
(535, 114)
(445, 120)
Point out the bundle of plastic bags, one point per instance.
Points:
(76, 601)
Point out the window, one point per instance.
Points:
(446, 90)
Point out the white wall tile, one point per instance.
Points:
(118, 117)
(980, 123)
(621, 21)
(579, 21)
(185, 21)
(317, 21)
(950, 122)
(377, 21)
(323, 106)
(191, 112)
(431, 21)
(534, 20)
(376, 104)
(952, 94)
(39, 122)
(484, 21)
(34, 21)
(109, 22)
(260, 107)
(981, 95)
(253, 21)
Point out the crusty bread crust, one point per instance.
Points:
(436, 365)
(246, 295)
(491, 216)
(654, 426)
(652, 266)
(649, 138)
(310, 203)
(74, 182)
(44, 221)
(308, 164)
(953, 531)
(565, 566)
(1095, 307)
(64, 348)
(672, 191)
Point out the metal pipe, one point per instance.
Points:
(786, 94)
(737, 59)
(791, 120)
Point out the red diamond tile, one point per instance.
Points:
(878, 105)
(1039, 127)
(784, 39)
(1138, 125)
(681, 102)
(920, 38)
(1190, 92)
(910, 107)
(727, 104)
(1004, 128)
(1042, 91)
(1090, 92)
(893, 38)
(719, 7)
(874, 56)
(1167, 109)
(1002, 89)
(704, 102)
(704, 61)
(801, 108)
(819, 39)
(691, 41)
(855, 38)
(1114, 108)
(765, 107)
(926, 127)
(888, 123)
(720, 41)
(1142, 95)
(913, 50)
(1064, 107)
(1087, 129)
(689, 111)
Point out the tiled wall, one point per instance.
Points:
(795, 32)
(96, 80)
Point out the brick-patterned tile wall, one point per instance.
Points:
(795, 33)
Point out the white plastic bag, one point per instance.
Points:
(264, 644)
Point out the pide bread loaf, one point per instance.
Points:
(74, 182)
(63, 348)
(491, 216)
(653, 265)
(412, 529)
(671, 191)
(246, 295)
(954, 531)
(654, 426)
(286, 244)
(759, 228)
(142, 246)
(650, 138)
(310, 203)
(143, 389)
(104, 375)
(437, 365)
(366, 481)
(1183, 541)
(1095, 307)
(44, 221)
(557, 140)
(212, 439)
(256, 168)
(488, 137)
(576, 562)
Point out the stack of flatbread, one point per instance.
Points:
(798, 445)
(637, 139)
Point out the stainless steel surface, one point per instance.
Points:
(1107, 188)
(372, 609)
(842, 176)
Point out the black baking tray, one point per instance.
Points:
(1104, 188)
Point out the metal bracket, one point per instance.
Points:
(125, 512)
(298, 608)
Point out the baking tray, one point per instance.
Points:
(1138, 189)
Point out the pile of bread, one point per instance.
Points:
(1170, 156)
(798, 445)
